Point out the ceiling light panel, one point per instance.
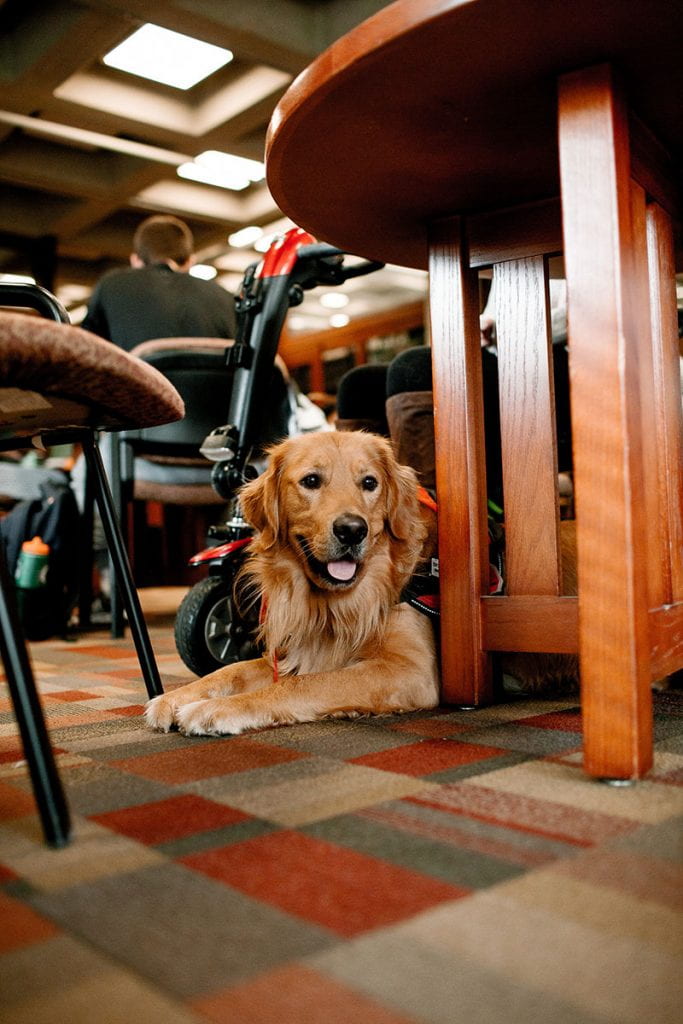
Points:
(168, 57)
(223, 170)
(217, 161)
(203, 271)
(245, 236)
(334, 300)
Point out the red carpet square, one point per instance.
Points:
(21, 926)
(15, 803)
(7, 874)
(164, 820)
(565, 721)
(428, 757)
(103, 651)
(12, 755)
(130, 711)
(74, 695)
(338, 888)
(131, 674)
(295, 993)
(194, 760)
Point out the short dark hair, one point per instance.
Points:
(162, 238)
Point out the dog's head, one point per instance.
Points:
(334, 500)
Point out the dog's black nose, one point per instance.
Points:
(350, 529)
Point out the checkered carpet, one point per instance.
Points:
(438, 867)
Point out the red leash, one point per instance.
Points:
(262, 615)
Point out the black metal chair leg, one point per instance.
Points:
(115, 603)
(124, 576)
(47, 788)
(85, 595)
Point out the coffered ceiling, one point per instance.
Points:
(87, 151)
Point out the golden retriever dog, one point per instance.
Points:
(340, 533)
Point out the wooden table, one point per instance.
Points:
(457, 136)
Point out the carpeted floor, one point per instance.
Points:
(445, 867)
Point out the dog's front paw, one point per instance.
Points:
(160, 712)
(212, 717)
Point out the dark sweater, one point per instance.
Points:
(135, 305)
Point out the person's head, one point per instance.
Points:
(163, 239)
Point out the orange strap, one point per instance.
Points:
(425, 498)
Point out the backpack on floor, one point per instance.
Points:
(54, 517)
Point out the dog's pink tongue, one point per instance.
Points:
(341, 570)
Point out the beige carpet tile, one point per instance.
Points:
(77, 985)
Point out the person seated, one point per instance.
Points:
(156, 296)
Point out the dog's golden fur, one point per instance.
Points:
(340, 533)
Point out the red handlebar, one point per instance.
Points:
(282, 254)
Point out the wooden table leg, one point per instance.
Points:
(667, 401)
(608, 322)
(460, 466)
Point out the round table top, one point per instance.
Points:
(436, 107)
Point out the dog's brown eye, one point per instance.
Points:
(311, 481)
(369, 483)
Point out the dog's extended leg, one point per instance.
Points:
(243, 676)
(370, 687)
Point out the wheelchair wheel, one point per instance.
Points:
(208, 632)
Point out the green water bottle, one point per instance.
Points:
(31, 571)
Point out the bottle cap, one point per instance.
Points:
(36, 546)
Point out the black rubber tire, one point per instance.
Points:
(208, 634)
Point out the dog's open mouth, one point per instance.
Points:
(340, 572)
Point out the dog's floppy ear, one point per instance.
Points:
(403, 510)
(259, 499)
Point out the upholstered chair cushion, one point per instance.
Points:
(113, 389)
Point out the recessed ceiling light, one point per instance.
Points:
(195, 172)
(223, 169)
(217, 161)
(264, 243)
(167, 57)
(245, 236)
(203, 271)
(334, 300)
(296, 322)
(339, 320)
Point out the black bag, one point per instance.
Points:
(45, 611)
